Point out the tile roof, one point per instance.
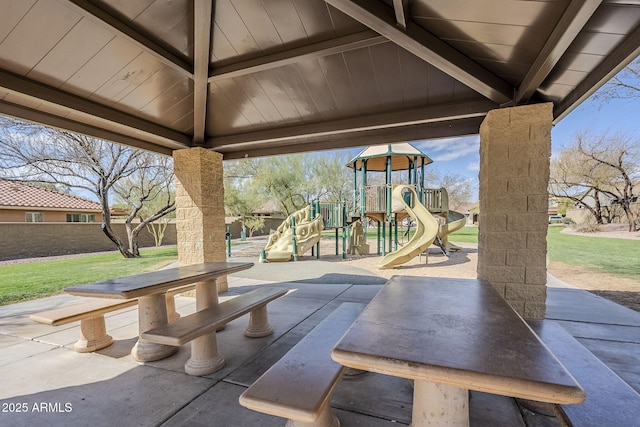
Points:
(20, 194)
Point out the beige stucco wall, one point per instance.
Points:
(19, 215)
(515, 147)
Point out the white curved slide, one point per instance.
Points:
(426, 230)
(453, 222)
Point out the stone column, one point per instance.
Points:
(200, 214)
(515, 147)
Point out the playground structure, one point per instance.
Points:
(376, 202)
(426, 227)
(386, 204)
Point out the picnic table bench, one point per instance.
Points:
(610, 400)
(150, 290)
(450, 336)
(93, 329)
(299, 386)
(91, 312)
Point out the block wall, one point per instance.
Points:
(42, 239)
(515, 147)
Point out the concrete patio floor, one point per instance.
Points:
(44, 382)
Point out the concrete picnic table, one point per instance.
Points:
(150, 289)
(451, 336)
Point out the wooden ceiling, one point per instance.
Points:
(263, 77)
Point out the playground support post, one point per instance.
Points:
(384, 238)
(344, 242)
(294, 242)
(363, 183)
(395, 232)
(312, 212)
(315, 210)
(391, 235)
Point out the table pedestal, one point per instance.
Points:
(205, 358)
(152, 313)
(439, 405)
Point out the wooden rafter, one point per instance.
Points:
(98, 15)
(415, 132)
(380, 18)
(393, 120)
(25, 88)
(316, 50)
(202, 46)
(569, 26)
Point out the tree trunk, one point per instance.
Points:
(106, 225)
(630, 217)
(106, 229)
(598, 208)
(132, 238)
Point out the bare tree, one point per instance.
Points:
(34, 153)
(148, 191)
(604, 164)
(624, 85)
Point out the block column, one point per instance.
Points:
(200, 214)
(515, 148)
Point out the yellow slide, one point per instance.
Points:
(426, 231)
(308, 233)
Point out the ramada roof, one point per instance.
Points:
(19, 194)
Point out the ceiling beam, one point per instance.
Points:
(569, 26)
(416, 132)
(401, 9)
(37, 116)
(312, 51)
(111, 23)
(620, 57)
(380, 18)
(393, 120)
(23, 87)
(202, 47)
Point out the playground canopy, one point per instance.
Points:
(402, 156)
(251, 78)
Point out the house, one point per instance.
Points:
(23, 202)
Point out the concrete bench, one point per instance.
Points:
(610, 401)
(93, 331)
(208, 320)
(299, 386)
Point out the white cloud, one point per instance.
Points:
(450, 148)
(474, 166)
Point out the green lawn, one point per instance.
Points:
(612, 256)
(20, 282)
(465, 235)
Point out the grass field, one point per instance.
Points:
(20, 282)
(612, 256)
